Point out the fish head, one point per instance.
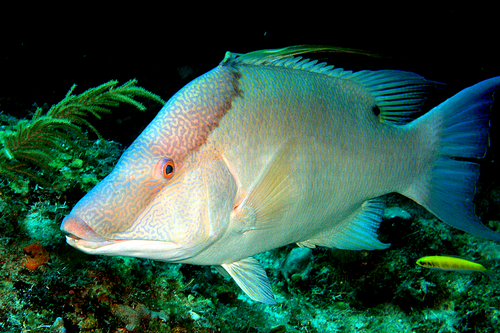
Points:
(169, 196)
(154, 208)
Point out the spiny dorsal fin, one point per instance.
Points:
(398, 95)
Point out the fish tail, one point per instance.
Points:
(457, 133)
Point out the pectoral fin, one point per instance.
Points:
(276, 189)
(252, 279)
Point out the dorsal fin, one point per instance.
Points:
(290, 57)
(398, 95)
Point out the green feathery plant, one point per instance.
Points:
(37, 141)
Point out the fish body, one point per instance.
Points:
(269, 149)
(449, 263)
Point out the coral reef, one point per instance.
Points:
(322, 290)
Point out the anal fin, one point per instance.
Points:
(357, 233)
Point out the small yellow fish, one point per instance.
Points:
(447, 263)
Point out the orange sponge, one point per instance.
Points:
(38, 256)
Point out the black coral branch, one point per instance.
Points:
(98, 100)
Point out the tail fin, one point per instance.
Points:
(461, 125)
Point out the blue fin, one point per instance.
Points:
(357, 233)
(252, 279)
(461, 126)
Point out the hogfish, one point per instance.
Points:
(270, 148)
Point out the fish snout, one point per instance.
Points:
(78, 229)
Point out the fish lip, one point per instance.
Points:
(80, 242)
(82, 237)
(79, 230)
(148, 249)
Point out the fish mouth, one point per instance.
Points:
(81, 235)
(83, 238)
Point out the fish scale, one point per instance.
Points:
(269, 149)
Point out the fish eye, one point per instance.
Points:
(168, 169)
(165, 168)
